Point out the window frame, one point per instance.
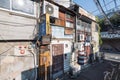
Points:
(5, 8)
(96, 28)
(20, 12)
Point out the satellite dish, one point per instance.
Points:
(49, 9)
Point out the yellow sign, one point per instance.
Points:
(48, 28)
(44, 65)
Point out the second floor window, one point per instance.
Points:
(5, 4)
(25, 6)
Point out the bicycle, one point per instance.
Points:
(114, 74)
(117, 76)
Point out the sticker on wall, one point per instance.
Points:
(23, 50)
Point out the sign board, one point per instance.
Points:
(22, 50)
(68, 31)
(59, 32)
(44, 28)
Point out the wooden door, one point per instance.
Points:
(57, 52)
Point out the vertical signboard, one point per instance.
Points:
(42, 31)
(44, 28)
(48, 31)
(44, 63)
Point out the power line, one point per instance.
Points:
(102, 6)
(115, 4)
(102, 11)
(112, 8)
(34, 57)
(105, 5)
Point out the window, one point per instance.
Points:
(5, 4)
(83, 24)
(81, 37)
(69, 24)
(88, 38)
(26, 6)
(69, 16)
(79, 22)
(96, 28)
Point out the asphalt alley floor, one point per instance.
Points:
(93, 72)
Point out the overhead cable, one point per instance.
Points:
(102, 12)
(103, 6)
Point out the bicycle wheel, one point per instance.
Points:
(117, 77)
(107, 76)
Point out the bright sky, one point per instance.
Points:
(90, 6)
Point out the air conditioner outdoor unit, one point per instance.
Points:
(51, 9)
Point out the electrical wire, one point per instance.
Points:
(61, 1)
(115, 4)
(34, 57)
(103, 6)
(8, 48)
(112, 9)
(35, 64)
(12, 46)
(102, 11)
(5, 51)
